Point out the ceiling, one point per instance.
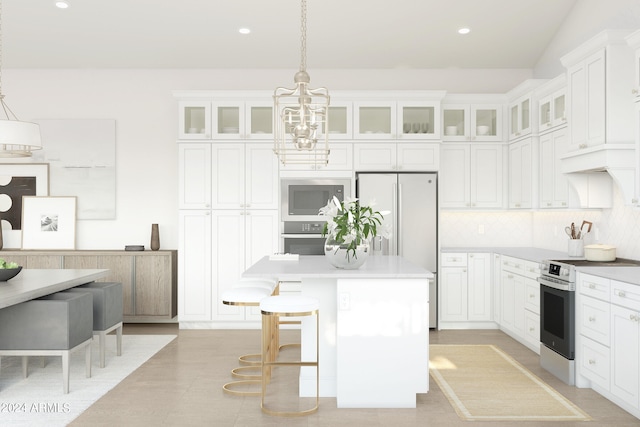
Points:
(382, 34)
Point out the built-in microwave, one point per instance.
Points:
(302, 198)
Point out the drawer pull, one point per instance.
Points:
(592, 362)
(531, 296)
(621, 294)
(592, 286)
(633, 317)
(531, 329)
(510, 276)
(592, 319)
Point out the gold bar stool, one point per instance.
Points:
(247, 296)
(272, 309)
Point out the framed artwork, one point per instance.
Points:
(18, 180)
(48, 222)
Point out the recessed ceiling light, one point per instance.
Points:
(62, 4)
(244, 30)
(464, 30)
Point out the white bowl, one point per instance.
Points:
(451, 130)
(482, 130)
(603, 253)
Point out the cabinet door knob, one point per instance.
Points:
(510, 276)
(634, 91)
(633, 317)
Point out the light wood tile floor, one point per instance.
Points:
(181, 386)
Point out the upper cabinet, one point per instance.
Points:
(194, 120)
(237, 115)
(552, 104)
(634, 41)
(397, 115)
(472, 119)
(239, 119)
(600, 76)
(522, 112)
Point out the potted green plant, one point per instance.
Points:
(350, 226)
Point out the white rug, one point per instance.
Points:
(38, 400)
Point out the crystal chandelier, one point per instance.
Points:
(17, 139)
(301, 115)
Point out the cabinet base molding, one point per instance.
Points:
(533, 347)
(468, 325)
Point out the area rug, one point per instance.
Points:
(38, 400)
(483, 383)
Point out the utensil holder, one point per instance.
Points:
(576, 247)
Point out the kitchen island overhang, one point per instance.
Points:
(374, 328)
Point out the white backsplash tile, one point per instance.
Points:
(618, 226)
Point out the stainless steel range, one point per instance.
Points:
(557, 313)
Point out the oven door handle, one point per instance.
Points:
(554, 285)
(302, 236)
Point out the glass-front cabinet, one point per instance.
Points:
(408, 119)
(194, 120)
(242, 120)
(340, 120)
(520, 118)
(552, 110)
(463, 122)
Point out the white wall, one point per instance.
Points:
(145, 111)
(586, 19)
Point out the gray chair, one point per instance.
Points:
(54, 325)
(107, 312)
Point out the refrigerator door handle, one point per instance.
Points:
(394, 212)
(399, 219)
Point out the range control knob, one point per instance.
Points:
(564, 271)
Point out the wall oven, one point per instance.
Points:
(302, 238)
(302, 198)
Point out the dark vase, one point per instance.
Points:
(155, 237)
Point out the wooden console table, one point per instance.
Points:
(149, 278)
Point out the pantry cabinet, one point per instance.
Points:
(471, 176)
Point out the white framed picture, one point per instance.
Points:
(49, 222)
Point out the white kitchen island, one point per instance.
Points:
(374, 328)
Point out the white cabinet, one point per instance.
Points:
(340, 159)
(520, 117)
(555, 191)
(194, 120)
(239, 118)
(244, 176)
(194, 178)
(521, 301)
(523, 161)
(228, 220)
(471, 176)
(242, 238)
(398, 118)
(194, 265)
(471, 122)
(599, 82)
(465, 290)
(552, 111)
(634, 42)
(410, 156)
(608, 339)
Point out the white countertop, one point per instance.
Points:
(622, 274)
(316, 266)
(35, 283)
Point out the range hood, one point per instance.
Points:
(592, 170)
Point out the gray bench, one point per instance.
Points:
(107, 312)
(54, 325)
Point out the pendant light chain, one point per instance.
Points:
(303, 37)
(1, 95)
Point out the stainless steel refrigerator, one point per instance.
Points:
(412, 199)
